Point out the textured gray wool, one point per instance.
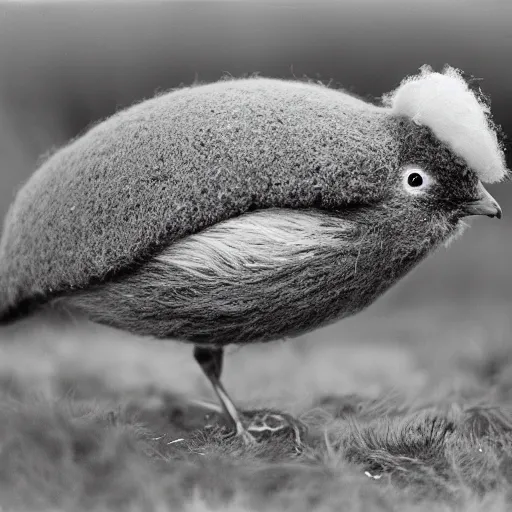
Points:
(180, 162)
(105, 205)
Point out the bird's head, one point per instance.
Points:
(448, 147)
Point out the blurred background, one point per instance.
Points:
(65, 65)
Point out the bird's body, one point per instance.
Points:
(248, 210)
(179, 163)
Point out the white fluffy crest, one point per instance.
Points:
(444, 103)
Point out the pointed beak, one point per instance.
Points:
(484, 205)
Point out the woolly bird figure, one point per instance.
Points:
(248, 210)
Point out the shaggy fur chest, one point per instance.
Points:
(263, 276)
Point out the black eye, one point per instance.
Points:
(415, 180)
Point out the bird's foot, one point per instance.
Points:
(264, 424)
(256, 426)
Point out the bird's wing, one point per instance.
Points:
(176, 164)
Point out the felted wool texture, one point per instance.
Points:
(180, 162)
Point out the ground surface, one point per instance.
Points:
(409, 407)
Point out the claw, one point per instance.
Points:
(266, 424)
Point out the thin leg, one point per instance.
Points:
(210, 361)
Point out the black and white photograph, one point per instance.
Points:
(256, 255)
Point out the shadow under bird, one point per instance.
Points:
(248, 210)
